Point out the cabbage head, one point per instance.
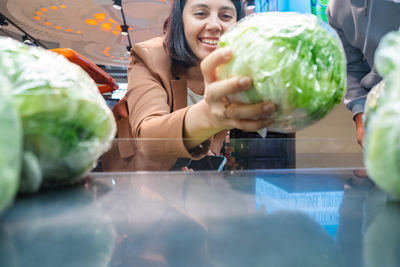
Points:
(66, 123)
(10, 146)
(382, 133)
(387, 57)
(294, 60)
(374, 95)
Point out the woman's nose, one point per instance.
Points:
(214, 24)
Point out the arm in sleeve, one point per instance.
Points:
(357, 69)
(156, 130)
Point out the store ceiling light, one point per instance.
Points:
(124, 29)
(117, 4)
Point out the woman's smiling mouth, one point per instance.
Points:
(209, 41)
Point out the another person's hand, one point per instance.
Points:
(360, 129)
(226, 115)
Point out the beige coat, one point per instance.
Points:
(152, 113)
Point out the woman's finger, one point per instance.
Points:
(257, 111)
(219, 89)
(212, 61)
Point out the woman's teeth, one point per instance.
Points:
(208, 41)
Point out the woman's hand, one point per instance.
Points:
(215, 113)
(226, 115)
(359, 129)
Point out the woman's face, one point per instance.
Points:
(204, 21)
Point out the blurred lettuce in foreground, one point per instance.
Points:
(387, 56)
(294, 60)
(382, 138)
(372, 99)
(10, 146)
(66, 122)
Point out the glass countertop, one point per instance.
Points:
(129, 155)
(278, 217)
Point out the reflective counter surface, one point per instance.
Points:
(305, 217)
(311, 205)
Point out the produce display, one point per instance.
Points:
(294, 60)
(10, 146)
(66, 122)
(382, 133)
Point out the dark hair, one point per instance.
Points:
(175, 40)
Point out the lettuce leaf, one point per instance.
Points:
(294, 60)
(66, 123)
(10, 146)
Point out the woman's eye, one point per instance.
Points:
(200, 13)
(227, 16)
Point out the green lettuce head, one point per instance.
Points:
(387, 61)
(294, 60)
(371, 103)
(10, 146)
(382, 134)
(387, 56)
(66, 123)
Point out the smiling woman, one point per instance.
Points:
(173, 92)
(181, 41)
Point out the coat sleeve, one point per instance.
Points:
(357, 68)
(157, 130)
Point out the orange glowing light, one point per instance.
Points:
(112, 57)
(121, 58)
(54, 7)
(38, 13)
(105, 51)
(44, 9)
(47, 23)
(129, 28)
(63, 6)
(118, 27)
(106, 26)
(79, 32)
(112, 21)
(68, 30)
(92, 22)
(115, 32)
(100, 16)
(58, 27)
(36, 17)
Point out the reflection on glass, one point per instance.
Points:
(57, 228)
(382, 239)
(321, 204)
(279, 239)
(273, 152)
